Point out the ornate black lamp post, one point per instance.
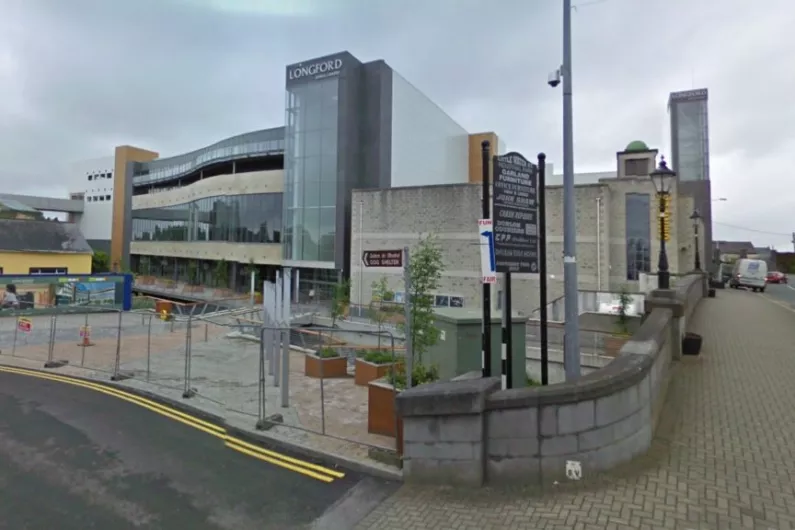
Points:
(696, 218)
(663, 179)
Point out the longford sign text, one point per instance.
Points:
(315, 70)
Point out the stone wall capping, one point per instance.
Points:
(466, 396)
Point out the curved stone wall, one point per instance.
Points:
(469, 431)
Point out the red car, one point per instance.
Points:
(776, 277)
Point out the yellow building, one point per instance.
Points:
(42, 247)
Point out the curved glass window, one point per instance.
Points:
(257, 143)
(253, 218)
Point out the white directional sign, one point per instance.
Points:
(488, 262)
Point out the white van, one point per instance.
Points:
(750, 273)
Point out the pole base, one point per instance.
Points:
(120, 377)
(270, 422)
(85, 344)
(189, 393)
(55, 364)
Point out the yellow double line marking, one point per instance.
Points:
(308, 469)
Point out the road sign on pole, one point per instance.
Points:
(515, 214)
(382, 258)
(488, 262)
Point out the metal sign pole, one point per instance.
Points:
(407, 308)
(507, 342)
(486, 214)
(542, 265)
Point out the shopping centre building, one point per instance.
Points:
(282, 196)
(364, 161)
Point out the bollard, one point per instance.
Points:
(205, 331)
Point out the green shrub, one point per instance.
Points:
(419, 375)
(327, 353)
(377, 357)
(532, 382)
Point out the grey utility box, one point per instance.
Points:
(458, 350)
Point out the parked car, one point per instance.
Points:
(749, 273)
(776, 277)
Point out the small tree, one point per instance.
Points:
(425, 272)
(193, 273)
(144, 265)
(340, 300)
(381, 293)
(100, 262)
(221, 274)
(624, 300)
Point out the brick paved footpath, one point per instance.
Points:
(722, 457)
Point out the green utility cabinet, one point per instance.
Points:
(458, 350)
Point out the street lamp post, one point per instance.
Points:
(663, 179)
(696, 218)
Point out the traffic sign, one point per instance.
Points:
(488, 263)
(515, 214)
(382, 258)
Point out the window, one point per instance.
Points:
(638, 234)
(48, 270)
(250, 218)
(636, 168)
(107, 197)
(90, 177)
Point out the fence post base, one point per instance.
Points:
(55, 364)
(270, 422)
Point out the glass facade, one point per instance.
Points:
(691, 147)
(257, 143)
(638, 234)
(310, 171)
(253, 218)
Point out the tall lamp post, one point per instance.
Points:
(696, 218)
(663, 179)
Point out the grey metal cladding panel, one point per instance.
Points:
(348, 160)
(701, 191)
(49, 204)
(673, 111)
(376, 114)
(308, 71)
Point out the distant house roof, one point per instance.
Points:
(41, 236)
(15, 206)
(735, 247)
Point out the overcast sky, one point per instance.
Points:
(78, 77)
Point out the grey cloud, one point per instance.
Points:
(173, 75)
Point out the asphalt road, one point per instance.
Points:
(784, 293)
(75, 458)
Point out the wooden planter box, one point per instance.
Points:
(145, 280)
(325, 368)
(381, 410)
(614, 343)
(367, 371)
(194, 289)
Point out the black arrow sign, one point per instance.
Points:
(382, 258)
